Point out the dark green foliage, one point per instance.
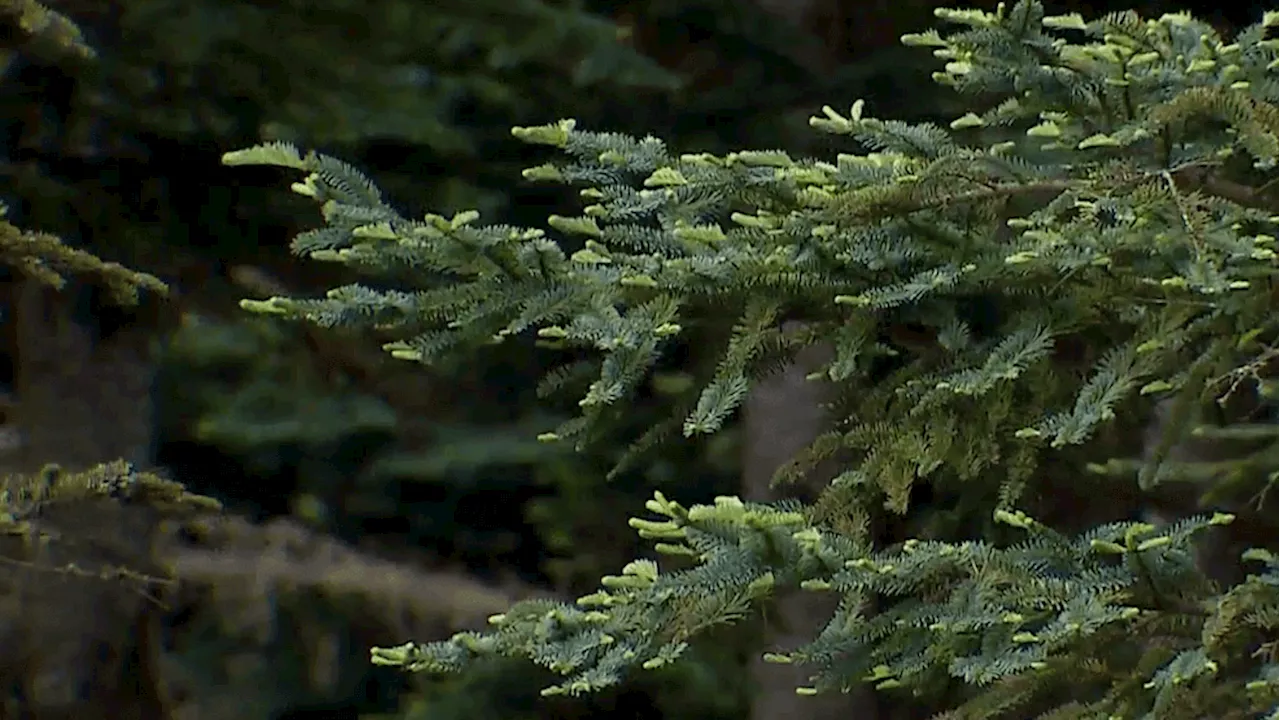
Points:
(409, 68)
(251, 391)
(1115, 204)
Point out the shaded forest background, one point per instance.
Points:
(368, 501)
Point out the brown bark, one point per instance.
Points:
(782, 415)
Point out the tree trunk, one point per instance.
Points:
(83, 397)
(782, 415)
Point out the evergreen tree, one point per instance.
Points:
(1004, 299)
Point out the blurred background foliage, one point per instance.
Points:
(369, 500)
